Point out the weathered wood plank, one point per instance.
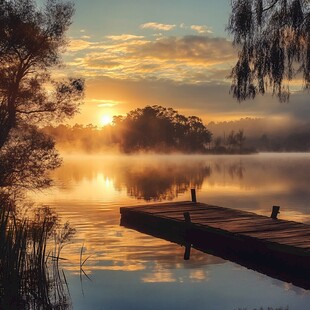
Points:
(285, 240)
(275, 247)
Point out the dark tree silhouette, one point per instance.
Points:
(273, 39)
(155, 128)
(25, 158)
(240, 138)
(31, 42)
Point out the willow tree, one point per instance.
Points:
(31, 42)
(273, 39)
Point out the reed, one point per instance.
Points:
(29, 271)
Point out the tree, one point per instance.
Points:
(240, 138)
(273, 38)
(31, 42)
(161, 129)
(231, 140)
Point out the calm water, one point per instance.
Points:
(130, 270)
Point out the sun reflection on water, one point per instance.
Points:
(90, 190)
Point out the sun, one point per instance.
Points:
(105, 120)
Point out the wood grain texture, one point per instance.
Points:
(230, 221)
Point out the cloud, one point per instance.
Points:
(189, 59)
(106, 103)
(76, 45)
(210, 100)
(202, 29)
(124, 37)
(195, 48)
(96, 61)
(157, 26)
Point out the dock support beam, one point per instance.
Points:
(188, 246)
(187, 252)
(275, 212)
(187, 217)
(193, 192)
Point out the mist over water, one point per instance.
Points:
(134, 269)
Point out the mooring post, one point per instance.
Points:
(187, 217)
(188, 221)
(275, 212)
(187, 252)
(193, 192)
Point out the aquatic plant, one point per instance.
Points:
(30, 277)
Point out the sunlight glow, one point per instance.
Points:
(106, 120)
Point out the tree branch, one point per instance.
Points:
(270, 6)
(35, 111)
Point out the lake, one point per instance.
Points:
(125, 269)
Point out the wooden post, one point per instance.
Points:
(187, 217)
(187, 253)
(275, 212)
(193, 192)
(188, 221)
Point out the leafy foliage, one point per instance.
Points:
(273, 38)
(25, 158)
(155, 128)
(31, 42)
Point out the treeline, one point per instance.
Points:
(164, 130)
(291, 142)
(153, 128)
(150, 129)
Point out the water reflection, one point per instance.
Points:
(154, 182)
(253, 182)
(90, 190)
(148, 178)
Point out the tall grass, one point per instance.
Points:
(29, 273)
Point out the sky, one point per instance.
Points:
(174, 53)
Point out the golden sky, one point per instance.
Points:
(172, 53)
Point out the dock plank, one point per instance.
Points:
(276, 247)
(233, 221)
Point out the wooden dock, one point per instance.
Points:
(278, 248)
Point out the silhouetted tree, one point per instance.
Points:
(240, 138)
(273, 39)
(25, 158)
(31, 42)
(236, 140)
(160, 129)
(231, 140)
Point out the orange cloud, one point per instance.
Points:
(190, 59)
(194, 48)
(202, 29)
(78, 45)
(124, 37)
(157, 26)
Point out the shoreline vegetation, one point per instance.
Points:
(156, 129)
(31, 240)
(32, 41)
(151, 129)
(161, 130)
